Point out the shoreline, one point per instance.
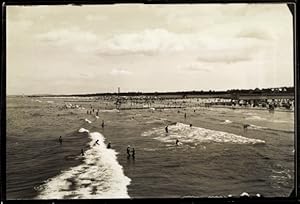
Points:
(252, 108)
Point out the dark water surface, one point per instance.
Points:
(216, 155)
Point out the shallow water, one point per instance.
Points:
(216, 156)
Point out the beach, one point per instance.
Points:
(216, 155)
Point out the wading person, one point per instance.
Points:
(177, 142)
(128, 151)
(82, 153)
(60, 139)
(109, 145)
(102, 124)
(166, 129)
(133, 153)
(245, 126)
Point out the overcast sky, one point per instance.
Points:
(88, 49)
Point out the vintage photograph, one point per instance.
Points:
(149, 101)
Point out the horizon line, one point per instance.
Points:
(144, 92)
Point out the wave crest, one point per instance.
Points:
(187, 134)
(100, 176)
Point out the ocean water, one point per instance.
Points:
(215, 156)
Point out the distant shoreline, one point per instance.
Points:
(285, 93)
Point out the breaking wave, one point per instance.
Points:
(187, 134)
(100, 176)
(87, 120)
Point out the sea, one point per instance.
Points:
(215, 154)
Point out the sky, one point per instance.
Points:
(137, 47)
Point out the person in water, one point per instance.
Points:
(177, 142)
(96, 142)
(128, 150)
(60, 139)
(184, 115)
(82, 153)
(245, 126)
(133, 153)
(166, 128)
(109, 145)
(191, 125)
(102, 124)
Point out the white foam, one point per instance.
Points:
(97, 117)
(109, 111)
(186, 134)
(256, 127)
(149, 149)
(226, 122)
(279, 121)
(255, 117)
(38, 101)
(83, 130)
(87, 120)
(245, 194)
(50, 101)
(100, 176)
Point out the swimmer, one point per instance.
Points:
(128, 150)
(96, 142)
(191, 125)
(166, 128)
(109, 145)
(245, 126)
(60, 139)
(133, 153)
(82, 153)
(102, 124)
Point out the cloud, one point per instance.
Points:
(86, 75)
(150, 42)
(120, 72)
(68, 36)
(226, 56)
(195, 68)
(19, 24)
(255, 33)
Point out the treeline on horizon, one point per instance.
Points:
(256, 91)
